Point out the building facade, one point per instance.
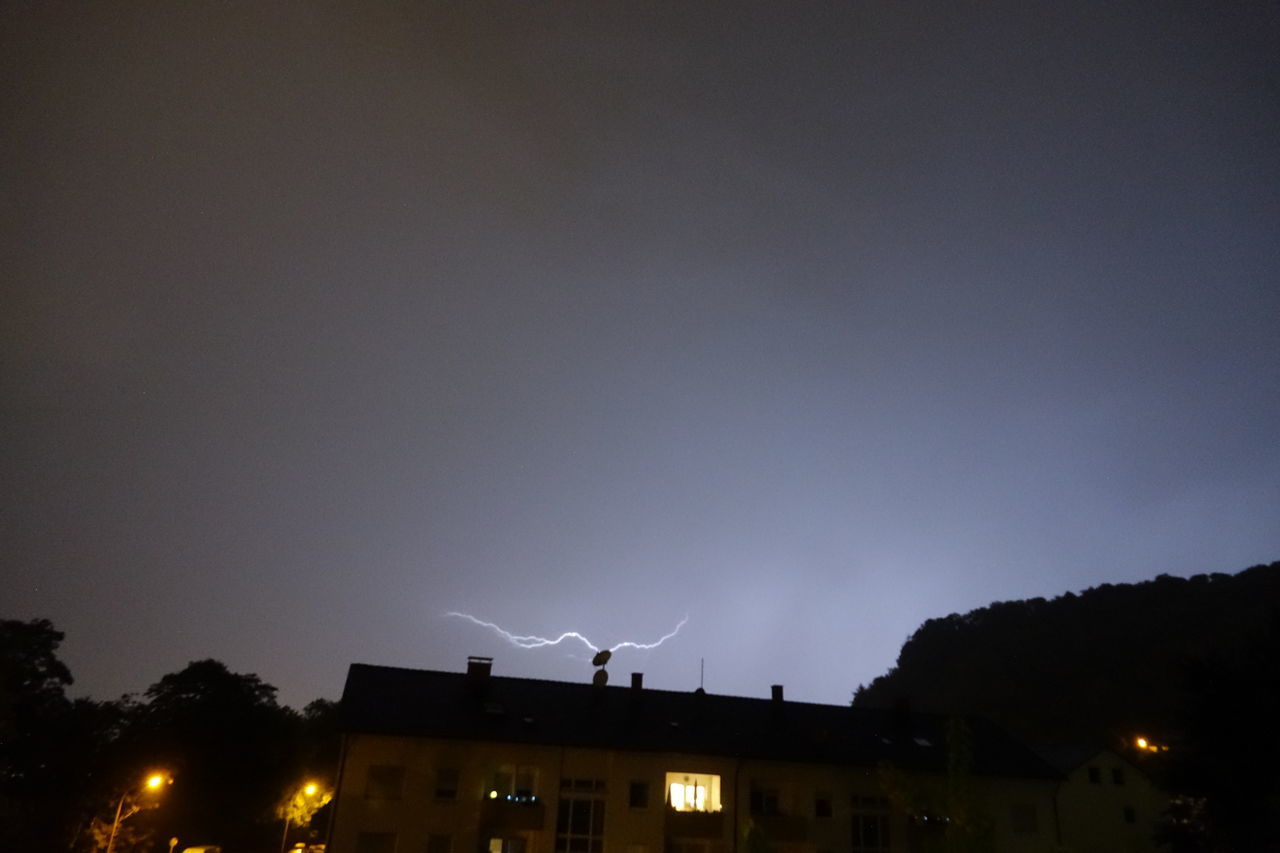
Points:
(1106, 804)
(437, 762)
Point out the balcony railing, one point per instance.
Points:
(694, 824)
(525, 813)
(782, 827)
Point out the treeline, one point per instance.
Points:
(1191, 663)
(237, 758)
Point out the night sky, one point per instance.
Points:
(809, 321)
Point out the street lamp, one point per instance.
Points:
(303, 803)
(154, 783)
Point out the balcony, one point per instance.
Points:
(513, 814)
(694, 824)
(783, 828)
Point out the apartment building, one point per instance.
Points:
(440, 762)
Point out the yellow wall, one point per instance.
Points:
(1092, 813)
(417, 814)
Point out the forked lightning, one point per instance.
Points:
(531, 641)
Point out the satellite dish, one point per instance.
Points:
(601, 658)
(601, 678)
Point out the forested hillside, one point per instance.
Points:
(1094, 667)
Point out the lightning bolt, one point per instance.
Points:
(532, 641)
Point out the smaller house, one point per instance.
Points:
(1106, 804)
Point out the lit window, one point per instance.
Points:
(506, 845)
(693, 792)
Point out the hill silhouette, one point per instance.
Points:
(1091, 668)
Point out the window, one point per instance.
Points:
(638, 795)
(1117, 775)
(580, 818)
(514, 784)
(822, 804)
(1095, 776)
(385, 782)
(506, 845)
(1130, 815)
(693, 792)
(763, 801)
(870, 825)
(446, 784)
(1024, 819)
(376, 842)
(439, 844)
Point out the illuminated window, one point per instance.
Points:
(693, 792)
(506, 845)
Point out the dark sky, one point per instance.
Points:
(808, 320)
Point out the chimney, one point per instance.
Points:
(637, 681)
(478, 668)
(777, 692)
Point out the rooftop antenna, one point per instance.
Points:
(702, 672)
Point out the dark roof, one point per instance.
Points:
(1066, 758)
(423, 703)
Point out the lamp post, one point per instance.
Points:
(301, 800)
(153, 784)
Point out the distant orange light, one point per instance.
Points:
(1142, 743)
(154, 781)
(311, 789)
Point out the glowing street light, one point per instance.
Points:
(302, 804)
(155, 782)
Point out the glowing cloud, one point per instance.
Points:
(531, 641)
